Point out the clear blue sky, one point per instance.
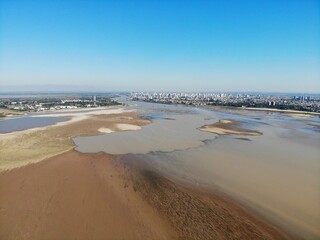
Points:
(258, 45)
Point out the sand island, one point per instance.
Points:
(228, 127)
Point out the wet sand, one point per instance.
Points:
(98, 196)
(75, 196)
(197, 213)
(228, 127)
(294, 113)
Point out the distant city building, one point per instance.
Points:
(300, 103)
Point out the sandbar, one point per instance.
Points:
(100, 196)
(299, 115)
(287, 111)
(33, 145)
(128, 127)
(105, 130)
(228, 127)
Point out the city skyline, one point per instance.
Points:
(207, 46)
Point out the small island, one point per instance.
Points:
(228, 127)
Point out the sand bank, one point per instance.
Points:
(105, 130)
(33, 145)
(72, 117)
(127, 127)
(75, 196)
(228, 127)
(79, 116)
(120, 127)
(295, 112)
(299, 115)
(98, 196)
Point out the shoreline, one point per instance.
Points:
(228, 127)
(75, 196)
(218, 107)
(33, 145)
(70, 118)
(91, 195)
(40, 189)
(280, 110)
(162, 183)
(56, 111)
(286, 111)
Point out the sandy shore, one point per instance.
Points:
(286, 112)
(294, 113)
(71, 117)
(75, 196)
(120, 127)
(300, 115)
(33, 145)
(105, 130)
(98, 196)
(228, 127)
(9, 112)
(127, 127)
(79, 116)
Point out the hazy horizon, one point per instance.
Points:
(20, 92)
(76, 89)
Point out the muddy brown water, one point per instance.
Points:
(276, 174)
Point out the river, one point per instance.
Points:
(276, 174)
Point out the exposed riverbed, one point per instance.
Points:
(276, 174)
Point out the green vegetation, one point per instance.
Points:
(32, 104)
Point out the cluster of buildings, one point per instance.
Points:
(39, 104)
(309, 103)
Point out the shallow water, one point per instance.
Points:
(162, 135)
(22, 123)
(40, 119)
(276, 174)
(280, 181)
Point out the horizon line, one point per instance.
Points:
(146, 91)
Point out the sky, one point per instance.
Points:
(164, 45)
